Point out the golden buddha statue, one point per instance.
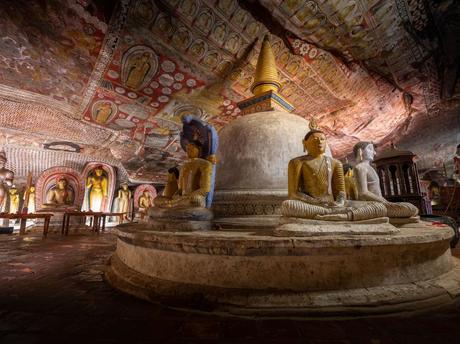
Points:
(97, 186)
(123, 200)
(31, 203)
(145, 203)
(368, 183)
(194, 182)
(14, 200)
(60, 195)
(172, 183)
(350, 185)
(316, 186)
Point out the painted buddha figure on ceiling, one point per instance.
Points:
(368, 183)
(60, 195)
(316, 187)
(137, 70)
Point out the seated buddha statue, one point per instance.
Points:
(368, 184)
(171, 184)
(60, 195)
(316, 187)
(145, 203)
(194, 182)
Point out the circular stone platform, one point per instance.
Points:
(255, 273)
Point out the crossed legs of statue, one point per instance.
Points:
(180, 201)
(352, 211)
(401, 210)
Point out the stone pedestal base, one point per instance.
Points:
(180, 219)
(252, 273)
(296, 227)
(399, 221)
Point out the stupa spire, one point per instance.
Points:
(266, 85)
(266, 77)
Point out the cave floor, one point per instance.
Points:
(53, 291)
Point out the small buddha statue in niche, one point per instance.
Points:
(6, 181)
(145, 203)
(14, 200)
(123, 200)
(194, 181)
(97, 188)
(368, 183)
(60, 195)
(316, 186)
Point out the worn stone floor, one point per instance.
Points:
(52, 291)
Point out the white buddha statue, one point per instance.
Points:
(368, 184)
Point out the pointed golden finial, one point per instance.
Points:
(313, 124)
(266, 78)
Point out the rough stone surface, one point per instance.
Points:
(238, 268)
(255, 150)
(302, 230)
(52, 291)
(180, 219)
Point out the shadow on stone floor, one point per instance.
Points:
(52, 291)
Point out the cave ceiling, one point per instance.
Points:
(112, 79)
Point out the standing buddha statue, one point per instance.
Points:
(6, 181)
(14, 200)
(123, 200)
(97, 186)
(316, 186)
(31, 204)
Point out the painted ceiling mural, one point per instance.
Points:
(116, 77)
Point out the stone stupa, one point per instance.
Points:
(251, 178)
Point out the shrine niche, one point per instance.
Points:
(100, 179)
(59, 187)
(143, 198)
